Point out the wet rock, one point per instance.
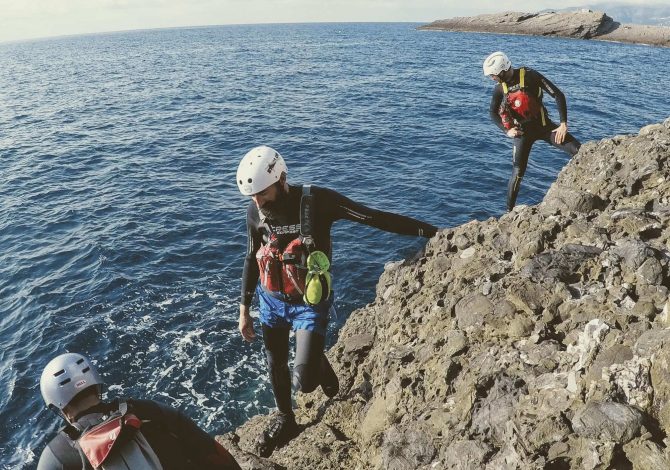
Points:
(607, 421)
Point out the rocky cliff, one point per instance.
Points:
(581, 25)
(540, 339)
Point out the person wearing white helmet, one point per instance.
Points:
(517, 109)
(118, 435)
(286, 264)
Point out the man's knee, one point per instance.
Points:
(573, 147)
(304, 379)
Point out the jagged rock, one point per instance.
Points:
(245, 459)
(587, 454)
(411, 448)
(465, 455)
(560, 199)
(492, 412)
(633, 252)
(562, 265)
(358, 343)
(660, 381)
(617, 354)
(536, 340)
(646, 455)
(631, 379)
(583, 24)
(607, 421)
(589, 343)
(472, 310)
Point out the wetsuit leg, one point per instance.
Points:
(276, 352)
(570, 145)
(520, 153)
(309, 359)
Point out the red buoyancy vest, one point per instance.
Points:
(520, 106)
(98, 442)
(283, 272)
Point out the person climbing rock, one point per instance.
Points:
(517, 109)
(287, 264)
(121, 434)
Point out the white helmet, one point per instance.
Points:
(66, 376)
(496, 63)
(259, 169)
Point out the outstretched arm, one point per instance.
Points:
(345, 208)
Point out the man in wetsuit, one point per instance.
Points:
(517, 109)
(274, 226)
(165, 438)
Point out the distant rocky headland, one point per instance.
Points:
(580, 25)
(539, 339)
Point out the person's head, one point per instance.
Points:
(262, 175)
(70, 384)
(498, 67)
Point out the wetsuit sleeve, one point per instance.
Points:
(344, 208)
(250, 270)
(496, 100)
(205, 452)
(557, 94)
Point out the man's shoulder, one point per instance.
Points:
(532, 73)
(59, 454)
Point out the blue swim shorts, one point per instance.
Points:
(276, 313)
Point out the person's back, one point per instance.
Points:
(132, 434)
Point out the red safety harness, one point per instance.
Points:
(283, 272)
(519, 106)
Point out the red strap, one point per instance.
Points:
(99, 441)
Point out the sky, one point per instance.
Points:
(25, 19)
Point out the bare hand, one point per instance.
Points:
(246, 324)
(560, 131)
(514, 132)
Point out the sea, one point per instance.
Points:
(122, 231)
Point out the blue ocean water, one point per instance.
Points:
(122, 229)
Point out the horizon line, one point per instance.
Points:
(165, 28)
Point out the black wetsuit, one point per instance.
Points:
(177, 441)
(284, 222)
(535, 83)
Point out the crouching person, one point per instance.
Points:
(119, 435)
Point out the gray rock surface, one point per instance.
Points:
(584, 24)
(535, 340)
(608, 422)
